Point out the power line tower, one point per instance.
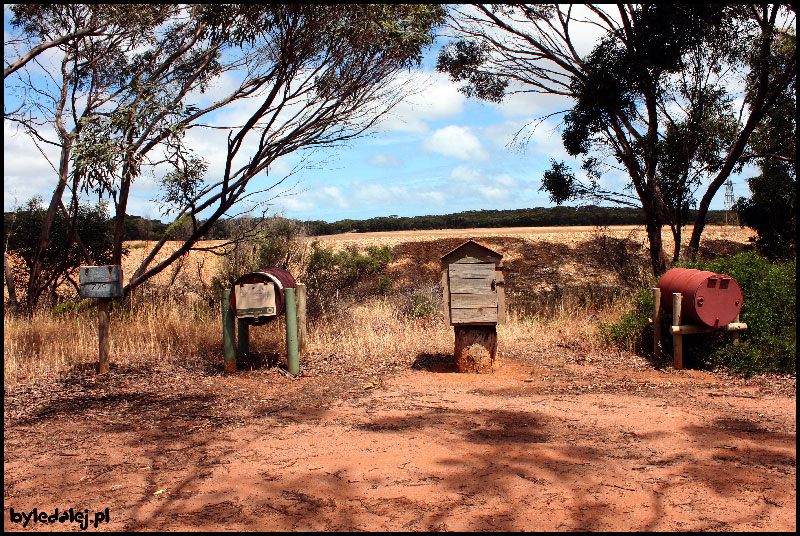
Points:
(731, 218)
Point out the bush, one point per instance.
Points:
(276, 243)
(422, 306)
(62, 255)
(328, 272)
(769, 310)
(633, 331)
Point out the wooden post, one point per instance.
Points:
(475, 348)
(677, 340)
(302, 328)
(102, 334)
(228, 328)
(735, 334)
(656, 323)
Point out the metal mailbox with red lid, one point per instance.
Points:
(258, 297)
(710, 299)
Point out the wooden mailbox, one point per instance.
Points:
(472, 280)
(474, 303)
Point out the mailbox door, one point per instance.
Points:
(100, 281)
(255, 300)
(473, 293)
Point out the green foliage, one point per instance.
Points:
(422, 306)
(275, 245)
(341, 269)
(633, 331)
(384, 284)
(461, 60)
(769, 310)
(329, 272)
(526, 217)
(62, 255)
(772, 210)
(559, 182)
(70, 308)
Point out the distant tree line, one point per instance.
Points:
(143, 228)
(528, 217)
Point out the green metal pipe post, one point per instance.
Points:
(242, 339)
(292, 353)
(228, 328)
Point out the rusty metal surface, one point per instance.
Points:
(100, 281)
(709, 299)
(280, 277)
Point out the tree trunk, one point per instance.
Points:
(476, 348)
(35, 286)
(653, 227)
(12, 293)
(676, 237)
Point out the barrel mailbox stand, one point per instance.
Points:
(700, 302)
(257, 298)
(473, 303)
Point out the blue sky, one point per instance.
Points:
(438, 152)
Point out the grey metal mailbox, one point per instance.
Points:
(100, 281)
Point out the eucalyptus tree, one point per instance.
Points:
(772, 208)
(312, 76)
(85, 48)
(656, 96)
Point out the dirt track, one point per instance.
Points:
(549, 442)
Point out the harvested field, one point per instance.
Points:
(379, 434)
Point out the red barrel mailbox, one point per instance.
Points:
(710, 299)
(260, 295)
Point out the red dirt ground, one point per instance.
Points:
(548, 442)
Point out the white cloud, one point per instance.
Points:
(518, 102)
(466, 175)
(26, 172)
(468, 181)
(431, 96)
(456, 142)
(384, 160)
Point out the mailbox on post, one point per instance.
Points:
(103, 283)
(700, 302)
(472, 281)
(257, 298)
(473, 303)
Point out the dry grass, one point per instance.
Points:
(368, 337)
(549, 273)
(48, 345)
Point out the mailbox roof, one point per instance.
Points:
(489, 251)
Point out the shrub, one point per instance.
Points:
(62, 255)
(276, 243)
(328, 272)
(422, 306)
(384, 285)
(769, 310)
(633, 331)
